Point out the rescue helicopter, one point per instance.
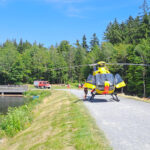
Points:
(102, 82)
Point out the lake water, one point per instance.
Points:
(6, 101)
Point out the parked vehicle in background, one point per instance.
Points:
(42, 84)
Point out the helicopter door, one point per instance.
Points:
(90, 83)
(119, 83)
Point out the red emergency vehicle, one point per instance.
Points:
(42, 84)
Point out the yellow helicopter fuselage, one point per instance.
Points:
(103, 70)
(107, 90)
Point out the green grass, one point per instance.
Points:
(64, 86)
(61, 122)
(56, 86)
(74, 119)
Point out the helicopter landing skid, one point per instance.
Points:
(92, 97)
(115, 97)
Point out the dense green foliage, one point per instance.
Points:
(127, 42)
(131, 39)
(19, 118)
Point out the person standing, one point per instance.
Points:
(85, 92)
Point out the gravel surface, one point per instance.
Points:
(126, 123)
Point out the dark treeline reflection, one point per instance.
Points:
(6, 101)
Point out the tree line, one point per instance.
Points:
(132, 39)
(126, 42)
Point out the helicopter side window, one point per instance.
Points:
(91, 79)
(118, 79)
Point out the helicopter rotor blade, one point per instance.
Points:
(92, 65)
(71, 67)
(128, 64)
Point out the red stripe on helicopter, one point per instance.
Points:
(106, 90)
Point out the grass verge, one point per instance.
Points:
(19, 118)
(147, 100)
(61, 123)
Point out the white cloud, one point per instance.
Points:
(70, 8)
(73, 12)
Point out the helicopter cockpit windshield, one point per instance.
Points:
(101, 78)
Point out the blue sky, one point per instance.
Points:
(51, 21)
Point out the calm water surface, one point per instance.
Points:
(6, 101)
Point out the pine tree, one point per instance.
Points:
(20, 46)
(84, 43)
(26, 45)
(94, 41)
(113, 33)
(108, 33)
(15, 43)
(131, 30)
(145, 8)
(63, 47)
(145, 27)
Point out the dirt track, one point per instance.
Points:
(126, 123)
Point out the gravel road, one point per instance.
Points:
(126, 124)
